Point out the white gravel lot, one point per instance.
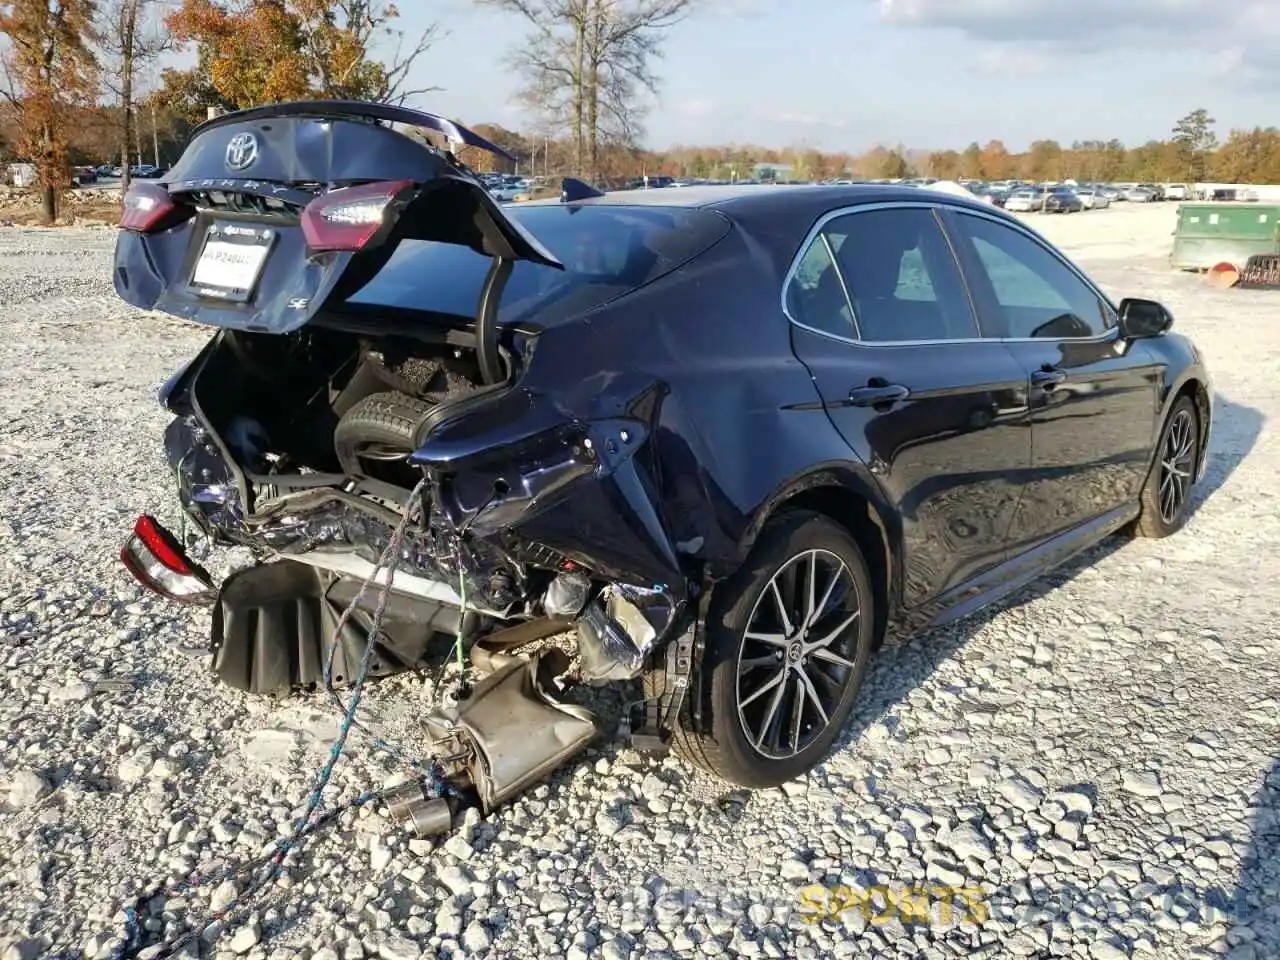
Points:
(1101, 758)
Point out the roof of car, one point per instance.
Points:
(751, 193)
(761, 203)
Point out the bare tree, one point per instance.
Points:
(132, 38)
(587, 64)
(340, 40)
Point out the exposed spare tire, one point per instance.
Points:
(375, 436)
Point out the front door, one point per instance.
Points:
(1094, 395)
(882, 320)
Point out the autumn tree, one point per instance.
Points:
(995, 160)
(587, 63)
(893, 166)
(250, 52)
(482, 161)
(971, 161)
(1194, 139)
(49, 71)
(1044, 160)
(1249, 156)
(944, 164)
(131, 37)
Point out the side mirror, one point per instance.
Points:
(1143, 318)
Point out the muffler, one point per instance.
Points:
(511, 732)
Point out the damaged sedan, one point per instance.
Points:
(728, 438)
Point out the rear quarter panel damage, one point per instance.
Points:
(721, 422)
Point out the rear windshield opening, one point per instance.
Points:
(607, 251)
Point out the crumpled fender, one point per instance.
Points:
(528, 464)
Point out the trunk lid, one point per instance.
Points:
(275, 212)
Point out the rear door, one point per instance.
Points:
(881, 318)
(1094, 395)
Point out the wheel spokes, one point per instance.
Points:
(780, 608)
(804, 627)
(1176, 466)
(772, 713)
(826, 641)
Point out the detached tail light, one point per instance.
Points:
(147, 205)
(157, 561)
(348, 218)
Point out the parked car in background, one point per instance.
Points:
(1177, 191)
(1112, 193)
(1156, 191)
(1025, 199)
(1062, 200)
(989, 193)
(1093, 198)
(1139, 195)
(82, 175)
(507, 191)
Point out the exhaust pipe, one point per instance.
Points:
(429, 816)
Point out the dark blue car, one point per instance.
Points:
(726, 436)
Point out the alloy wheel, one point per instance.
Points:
(798, 653)
(1177, 462)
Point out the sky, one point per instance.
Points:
(849, 74)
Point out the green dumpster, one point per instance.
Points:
(1213, 233)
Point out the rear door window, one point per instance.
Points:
(901, 276)
(607, 250)
(815, 295)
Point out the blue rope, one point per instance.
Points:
(268, 865)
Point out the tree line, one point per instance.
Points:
(82, 81)
(587, 67)
(1191, 153)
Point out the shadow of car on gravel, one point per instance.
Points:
(1253, 929)
(1236, 428)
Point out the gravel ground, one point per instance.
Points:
(1100, 758)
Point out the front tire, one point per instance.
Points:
(788, 639)
(1166, 496)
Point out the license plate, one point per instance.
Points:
(231, 261)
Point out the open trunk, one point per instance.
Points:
(297, 421)
(300, 445)
(355, 275)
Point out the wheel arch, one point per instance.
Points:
(1197, 389)
(855, 505)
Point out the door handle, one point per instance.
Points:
(875, 394)
(1047, 377)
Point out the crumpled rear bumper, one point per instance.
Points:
(509, 524)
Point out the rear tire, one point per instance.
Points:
(758, 662)
(1166, 496)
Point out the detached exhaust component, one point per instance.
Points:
(510, 733)
(158, 561)
(429, 816)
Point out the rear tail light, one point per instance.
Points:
(146, 205)
(156, 559)
(348, 218)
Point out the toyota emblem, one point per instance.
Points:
(242, 150)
